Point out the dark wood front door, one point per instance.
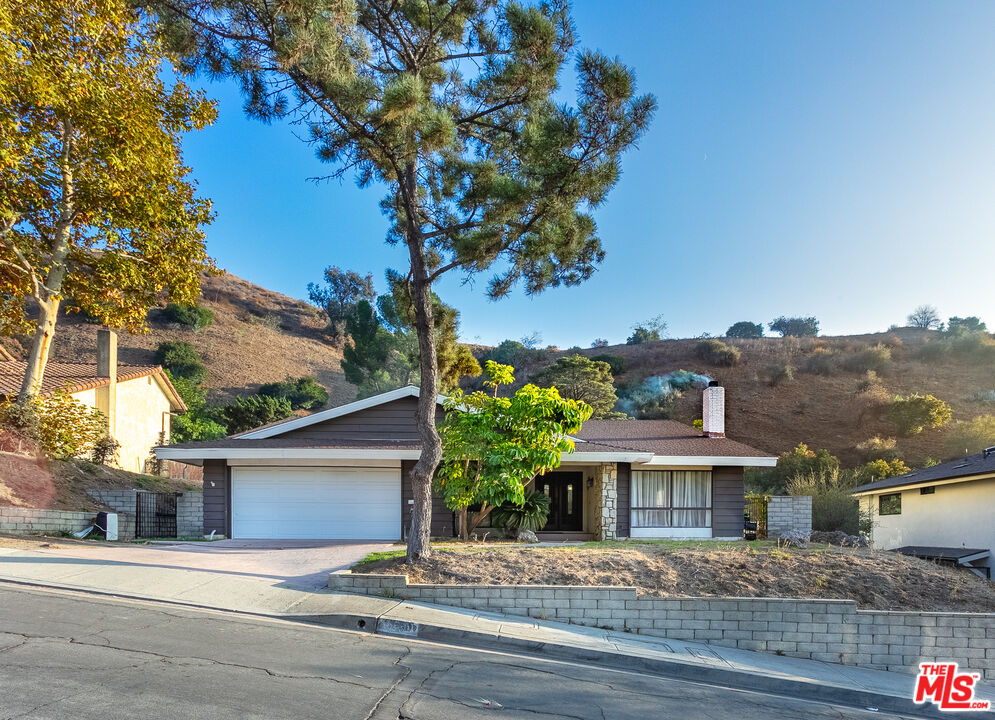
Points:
(566, 500)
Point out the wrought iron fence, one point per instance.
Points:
(155, 515)
(756, 512)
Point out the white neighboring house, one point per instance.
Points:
(137, 399)
(945, 512)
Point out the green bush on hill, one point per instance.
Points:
(250, 412)
(617, 363)
(304, 393)
(875, 359)
(914, 413)
(182, 360)
(193, 316)
(820, 362)
(967, 437)
(833, 505)
(716, 352)
(794, 463)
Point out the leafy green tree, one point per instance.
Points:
(972, 324)
(512, 352)
(882, 469)
(304, 393)
(338, 296)
(795, 326)
(456, 108)
(96, 206)
(370, 359)
(798, 462)
(745, 329)
(914, 413)
(494, 447)
(198, 422)
(926, 317)
(617, 363)
(579, 378)
(181, 359)
(650, 331)
(250, 412)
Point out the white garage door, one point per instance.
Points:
(316, 503)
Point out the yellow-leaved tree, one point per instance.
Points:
(97, 209)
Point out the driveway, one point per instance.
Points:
(302, 563)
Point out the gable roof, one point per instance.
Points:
(283, 426)
(663, 439)
(961, 469)
(78, 377)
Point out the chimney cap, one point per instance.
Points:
(714, 383)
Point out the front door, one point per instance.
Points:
(566, 503)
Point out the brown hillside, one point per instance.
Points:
(257, 336)
(821, 410)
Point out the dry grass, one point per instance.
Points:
(873, 579)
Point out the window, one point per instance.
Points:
(927, 490)
(890, 504)
(671, 499)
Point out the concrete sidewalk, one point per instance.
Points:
(684, 660)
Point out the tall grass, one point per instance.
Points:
(833, 505)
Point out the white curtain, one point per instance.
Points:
(650, 490)
(692, 489)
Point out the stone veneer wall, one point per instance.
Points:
(34, 521)
(189, 508)
(789, 513)
(826, 630)
(608, 529)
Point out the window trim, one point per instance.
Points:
(669, 509)
(881, 499)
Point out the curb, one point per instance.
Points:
(674, 669)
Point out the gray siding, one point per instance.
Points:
(217, 497)
(443, 522)
(623, 516)
(728, 502)
(390, 421)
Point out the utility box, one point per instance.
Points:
(107, 522)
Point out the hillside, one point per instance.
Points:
(257, 336)
(823, 411)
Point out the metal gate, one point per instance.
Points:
(155, 515)
(756, 511)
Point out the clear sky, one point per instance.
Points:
(825, 158)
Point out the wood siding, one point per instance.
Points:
(443, 519)
(217, 497)
(390, 421)
(728, 502)
(622, 517)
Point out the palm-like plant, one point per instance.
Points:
(530, 515)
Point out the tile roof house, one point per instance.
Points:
(343, 473)
(943, 512)
(137, 399)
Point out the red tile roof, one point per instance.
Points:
(77, 377)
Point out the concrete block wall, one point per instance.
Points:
(826, 630)
(189, 508)
(34, 521)
(789, 513)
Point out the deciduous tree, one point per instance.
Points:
(96, 207)
(338, 296)
(455, 106)
(580, 378)
(926, 317)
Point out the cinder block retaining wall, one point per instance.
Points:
(789, 513)
(189, 508)
(827, 630)
(32, 521)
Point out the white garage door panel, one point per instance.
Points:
(316, 503)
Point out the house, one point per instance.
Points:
(136, 399)
(943, 512)
(343, 473)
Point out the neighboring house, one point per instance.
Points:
(941, 511)
(136, 399)
(344, 473)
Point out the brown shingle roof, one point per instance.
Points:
(661, 437)
(298, 442)
(77, 377)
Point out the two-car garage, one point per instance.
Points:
(313, 503)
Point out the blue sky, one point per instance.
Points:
(834, 159)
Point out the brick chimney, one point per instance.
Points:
(713, 411)
(107, 368)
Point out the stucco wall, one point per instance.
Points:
(954, 515)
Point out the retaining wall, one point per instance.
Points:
(827, 630)
(189, 508)
(33, 521)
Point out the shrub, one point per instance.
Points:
(21, 418)
(193, 316)
(934, 352)
(870, 380)
(716, 352)
(650, 331)
(820, 362)
(303, 393)
(181, 359)
(875, 359)
(986, 397)
(833, 505)
(745, 329)
(972, 345)
(617, 363)
(971, 324)
(66, 427)
(530, 515)
(914, 413)
(105, 451)
(250, 412)
(512, 352)
(877, 448)
(971, 436)
(779, 374)
(795, 326)
(796, 462)
(599, 343)
(882, 469)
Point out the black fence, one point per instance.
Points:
(155, 515)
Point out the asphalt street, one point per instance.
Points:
(69, 655)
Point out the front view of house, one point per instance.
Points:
(344, 473)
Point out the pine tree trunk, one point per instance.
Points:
(423, 472)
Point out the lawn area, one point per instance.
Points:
(874, 579)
